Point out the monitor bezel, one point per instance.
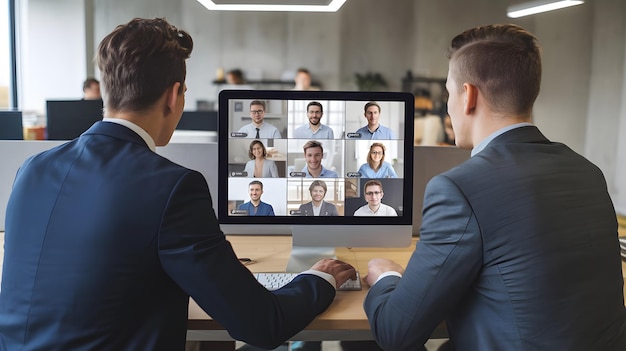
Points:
(365, 96)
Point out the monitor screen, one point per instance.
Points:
(330, 168)
(68, 119)
(11, 125)
(198, 120)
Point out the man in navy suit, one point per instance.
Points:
(106, 240)
(518, 245)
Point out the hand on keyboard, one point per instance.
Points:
(276, 280)
(341, 271)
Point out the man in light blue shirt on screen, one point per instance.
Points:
(258, 128)
(313, 154)
(314, 129)
(373, 129)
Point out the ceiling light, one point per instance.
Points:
(274, 5)
(533, 7)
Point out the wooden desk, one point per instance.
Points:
(345, 319)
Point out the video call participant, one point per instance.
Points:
(259, 166)
(317, 206)
(255, 206)
(376, 166)
(373, 129)
(518, 245)
(373, 191)
(314, 129)
(258, 128)
(313, 155)
(106, 240)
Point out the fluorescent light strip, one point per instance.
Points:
(333, 6)
(531, 8)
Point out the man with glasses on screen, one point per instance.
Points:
(258, 128)
(374, 196)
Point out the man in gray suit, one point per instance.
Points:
(317, 206)
(518, 245)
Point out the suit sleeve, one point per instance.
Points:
(403, 312)
(196, 255)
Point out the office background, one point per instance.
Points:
(584, 82)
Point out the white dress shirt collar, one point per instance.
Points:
(135, 128)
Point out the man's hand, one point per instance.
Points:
(378, 266)
(340, 270)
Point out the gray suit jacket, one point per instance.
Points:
(518, 251)
(327, 209)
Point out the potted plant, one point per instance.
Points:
(370, 81)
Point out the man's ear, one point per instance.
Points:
(470, 97)
(171, 97)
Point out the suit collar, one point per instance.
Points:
(117, 131)
(526, 133)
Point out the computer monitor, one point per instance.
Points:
(198, 120)
(320, 210)
(68, 119)
(11, 127)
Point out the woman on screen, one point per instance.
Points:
(376, 167)
(317, 206)
(259, 166)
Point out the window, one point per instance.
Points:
(5, 60)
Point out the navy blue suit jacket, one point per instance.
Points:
(518, 250)
(106, 240)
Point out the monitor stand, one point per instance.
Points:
(311, 243)
(303, 255)
(303, 258)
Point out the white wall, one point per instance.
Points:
(4, 44)
(376, 36)
(52, 43)
(605, 144)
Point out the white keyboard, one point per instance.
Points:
(276, 280)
